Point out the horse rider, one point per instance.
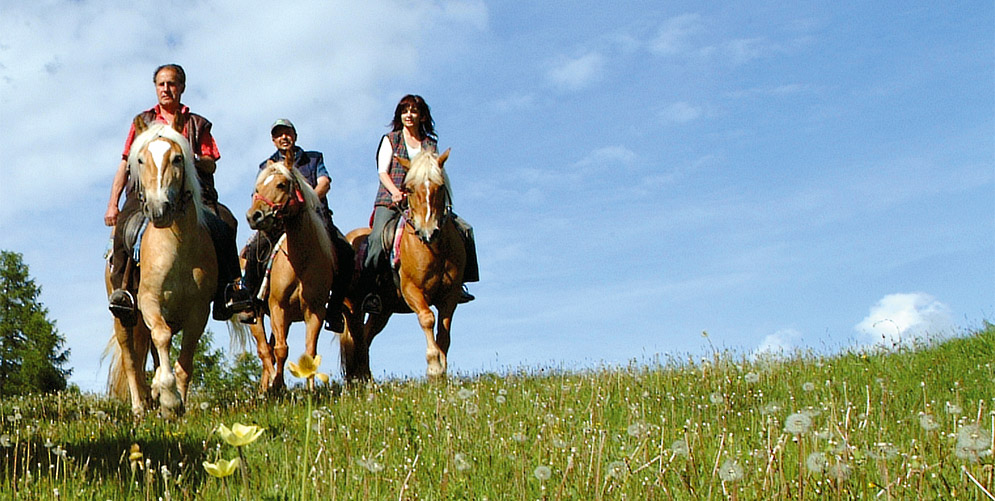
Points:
(231, 297)
(413, 130)
(311, 165)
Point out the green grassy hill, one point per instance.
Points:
(914, 423)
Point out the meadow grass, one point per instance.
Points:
(911, 423)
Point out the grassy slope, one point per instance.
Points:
(696, 429)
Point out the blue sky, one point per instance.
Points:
(818, 175)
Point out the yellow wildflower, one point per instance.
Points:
(240, 434)
(307, 367)
(222, 468)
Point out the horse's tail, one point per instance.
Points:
(117, 382)
(239, 336)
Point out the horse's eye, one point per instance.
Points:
(141, 161)
(177, 160)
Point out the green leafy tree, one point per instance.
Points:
(217, 375)
(32, 357)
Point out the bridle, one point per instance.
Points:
(279, 211)
(177, 206)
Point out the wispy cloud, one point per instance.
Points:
(904, 319)
(680, 112)
(577, 73)
(675, 35)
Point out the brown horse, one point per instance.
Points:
(178, 272)
(431, 271)
(303, 264)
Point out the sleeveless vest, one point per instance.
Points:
(195, 127)
(306, 163)
(397, 171)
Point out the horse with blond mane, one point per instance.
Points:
(284, 208)
(178, 272)
(432, 260)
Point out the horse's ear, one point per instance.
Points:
(139, 125)
(443, 157)
(180, 121)
(403, 161)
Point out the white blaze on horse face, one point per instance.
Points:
(428, 202)
(159, 149)
(269, 179)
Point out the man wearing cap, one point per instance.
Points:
(311, 165)
(170, 82)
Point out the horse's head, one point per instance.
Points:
(425, 184)
(280, 192)
(161, 166)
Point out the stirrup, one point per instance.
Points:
(465, 296)
(122, 306)
(372, 304)
(237, 298)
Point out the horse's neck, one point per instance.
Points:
(304, 234)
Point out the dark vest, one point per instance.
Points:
(194, 129)
(397, 171)
(307, 163)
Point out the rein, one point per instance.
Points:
(278, 211)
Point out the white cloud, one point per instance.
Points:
(780, 343)
(577, 73)
(674, 34)
(609, 155)
(680, 112)
(904, 319)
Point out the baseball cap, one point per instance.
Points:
(282, 122)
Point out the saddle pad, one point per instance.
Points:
(395, 248)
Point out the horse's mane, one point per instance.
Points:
(425, 167)
(190, 179)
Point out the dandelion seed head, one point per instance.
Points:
(519, 437)
(808, 386)
(680, 448)
(797, 423)
(617, 470)
(953, 409)
(751, 377)
(543, 473)
(464, 394)
(461, 462)
(816, 462)
(974, 437)
(730, 471)
(838, 471)
(638, 429)
(500, 399)
(928, 422)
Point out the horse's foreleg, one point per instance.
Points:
(192, 332)
(279, 326)
(442, 338)
(313, 318)
(433, 354)
(265, 351)
(164, 382)
(133, 367)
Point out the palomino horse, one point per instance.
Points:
(178, 272)
(303, 264)
(431, 271)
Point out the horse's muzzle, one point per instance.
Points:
(160, 214)
(259, 219)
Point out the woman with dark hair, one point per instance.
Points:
(412, 130)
